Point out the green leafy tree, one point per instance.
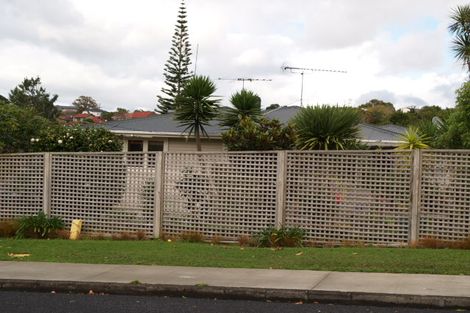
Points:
(59, 138)
(327, 128)
(107, 116)
(428, 112)
(176, 70)
(17, 128)
(377, 111)
(245, 103)
(401, 118)
(265, 134)
(272, 106)
(457, 133)
(432, 131)
(197, 106)
(415, 117)
(3, 100)
(120, 114)
(460, 28)
(85, 104)
(31, 94)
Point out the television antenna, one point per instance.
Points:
(302, 70)
(244, 79)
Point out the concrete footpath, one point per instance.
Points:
(288, 285)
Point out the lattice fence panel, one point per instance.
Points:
(21, 185)
(445, 195)
(219, 194)
(110, 192)
(360, 196)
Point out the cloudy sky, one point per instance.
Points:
(114, 50)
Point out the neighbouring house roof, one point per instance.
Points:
(161, 124)
(84, 116)
(382, 135)
(139, 114)
(165, 125)
(377, 134)
(283, 114)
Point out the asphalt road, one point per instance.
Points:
(32, 302)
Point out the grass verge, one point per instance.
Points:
(156, 252)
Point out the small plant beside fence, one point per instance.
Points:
(376, 197)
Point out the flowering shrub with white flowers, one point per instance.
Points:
(76, 139)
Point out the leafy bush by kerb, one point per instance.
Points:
(39, 226)
(282, 237)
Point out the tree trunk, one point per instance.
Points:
(198, 138)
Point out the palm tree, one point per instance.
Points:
(327, 127)
(413, 139)
(246, 104)
(460, 27)
(196, 106)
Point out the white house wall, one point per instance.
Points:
(178, 144)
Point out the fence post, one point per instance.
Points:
(281, 188)
(415, 196)
(158, 196)
(46, 196)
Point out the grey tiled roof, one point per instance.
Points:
(377, 133)
(283, 114)
(165, 124)
(370, 132)
(162, 123)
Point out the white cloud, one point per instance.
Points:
(412, 52)
(114, 50)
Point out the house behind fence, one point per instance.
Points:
(377, 197)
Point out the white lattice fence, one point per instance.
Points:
(334, 195)
(445, 195)
(21, 185)
(350, 195)
(111, 192)
(219, 194)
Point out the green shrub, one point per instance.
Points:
(263, 134)
(18, 126)
(282, 237)
(38, 226)
(59, 138)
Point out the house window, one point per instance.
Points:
(155, 146)
(135, 146)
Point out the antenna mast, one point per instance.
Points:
(302, 70)
(243, 79)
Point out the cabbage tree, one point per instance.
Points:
(197, 106)
(327, 128)
(246, 104)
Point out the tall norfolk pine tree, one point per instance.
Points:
(176, 68)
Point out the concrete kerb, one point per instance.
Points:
(263, 294)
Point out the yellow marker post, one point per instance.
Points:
(75, 229)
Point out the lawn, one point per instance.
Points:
(156, 252)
